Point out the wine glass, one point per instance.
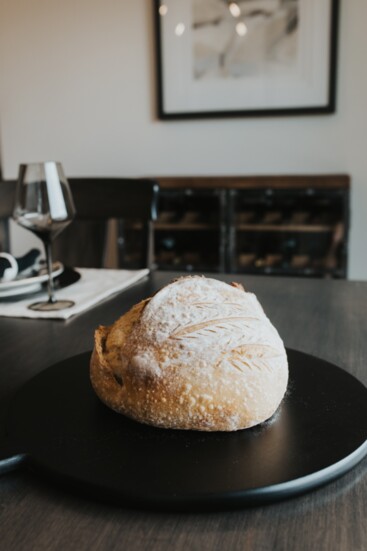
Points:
(44, 205)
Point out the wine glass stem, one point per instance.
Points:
(50, 282)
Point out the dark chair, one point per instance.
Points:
(131, 202)
(7, 195)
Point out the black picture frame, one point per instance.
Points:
(169, 77)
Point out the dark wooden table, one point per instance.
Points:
(324, 318)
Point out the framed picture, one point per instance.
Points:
(219, 58)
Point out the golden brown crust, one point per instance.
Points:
(198, 355)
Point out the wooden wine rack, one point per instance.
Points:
(281, 225)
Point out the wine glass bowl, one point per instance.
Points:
(44, 206)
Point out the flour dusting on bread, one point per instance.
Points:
(200, 355)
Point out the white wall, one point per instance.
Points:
(78, 85)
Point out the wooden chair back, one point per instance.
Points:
(130, 202)
(7, 196)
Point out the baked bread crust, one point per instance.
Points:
(199, 355)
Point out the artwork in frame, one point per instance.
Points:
(218, 58)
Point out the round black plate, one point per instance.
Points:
(58, 426)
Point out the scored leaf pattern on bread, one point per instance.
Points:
(216, 326)
(211, 321)
(250, 356)
(214, 308)
(247, 346)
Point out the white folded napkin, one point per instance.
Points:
(94, 286)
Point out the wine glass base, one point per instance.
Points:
(51, 306)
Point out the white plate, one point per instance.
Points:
(28, 284)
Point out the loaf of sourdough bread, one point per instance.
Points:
(198, 355)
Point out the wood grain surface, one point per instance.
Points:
(320, 317)
(289, 181)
